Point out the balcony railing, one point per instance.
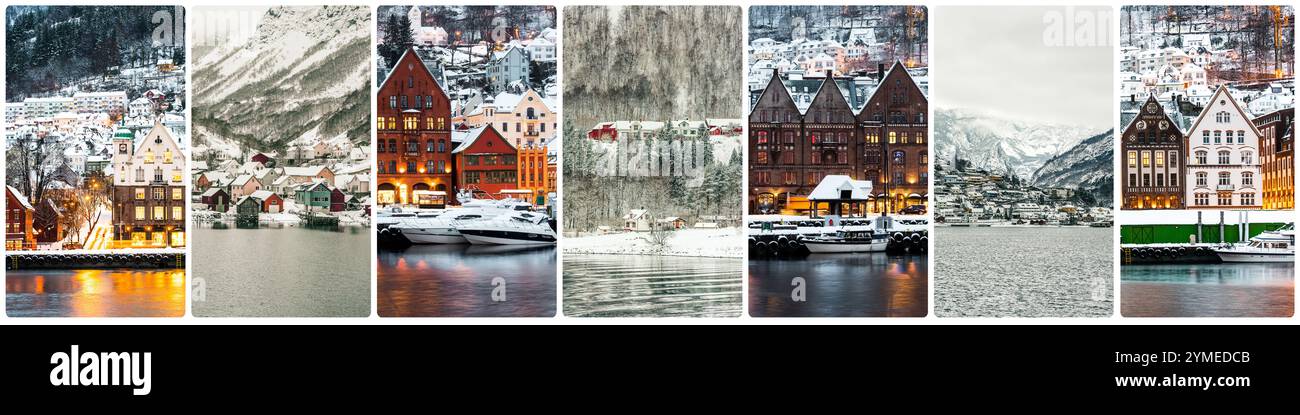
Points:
(1225, 187)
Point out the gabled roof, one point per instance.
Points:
(780, 85)
(422, 66)
(1240, 111)
(22, 200)
(473, 137)
(898, 65)
(835, 89)
(243, 179)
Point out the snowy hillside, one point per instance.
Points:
(1000, 144)
(305, 72)
(1088, 162)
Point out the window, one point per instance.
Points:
(900, 157)
(382, 147)
(410, 167)
(1160, 180)
(1201, 179)
(1160, 159)
(381, 124)
(925, 158)
(428, 101)
(1205, 137)
(148, 156)
(1146, 159)
(761, 158)
(1217, 136)
(392, 102)
(1225, 199)
(1173, 159)
(1173, 179)
(139, 213)
(428, 146)
(1202, 199)
(1132, 179)
(1247, 157)
(1241, 137)
(177, 193)
(1225, 179)
(158, 194)
(1201, 157)
(1247, 179)
(139, 193)
(404, 102)
(1247, 199)
(442, 146)
(1132, 159)
(1225, 157)
(920, 137)
(158, 213)
(893, 138)
(1146, 179)
(177, 213)
(167, 156)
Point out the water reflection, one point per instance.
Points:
(462, 281)
(840, 285)
(286, 272)
(95, 293)
(1208, 290)
(651, 286)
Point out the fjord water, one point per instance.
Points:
(467, 281)
(1035, 271)
(651, 286)
(281, 272)
(95, 293)
(840, 285)
(1208, 290)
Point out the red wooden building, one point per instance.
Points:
(413, 148)
(486, 161)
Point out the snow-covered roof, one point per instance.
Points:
(831, 187)
(473, 136)
(262, 194)
(22, 200)
(304, 171)
(243, 179)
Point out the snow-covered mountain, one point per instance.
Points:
(1000, 144)
(1082, 166)
(304, 73)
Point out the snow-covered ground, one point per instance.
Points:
(717, 243)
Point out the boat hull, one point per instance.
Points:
(818, 247)
(494, 237)
(433, 236)
(1238, 256)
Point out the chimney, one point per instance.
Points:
(1132, 98)
(880, 71)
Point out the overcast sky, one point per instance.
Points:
(995, 59)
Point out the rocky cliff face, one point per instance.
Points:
(651, 63)
(305, 75)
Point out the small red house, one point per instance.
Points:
(338, 200)
(262, 158)
(487, 162)
(271, 202)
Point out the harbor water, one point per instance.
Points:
(467, 281)
(839, 285)
(651, 286)
(95, 293)
(1208, 290)
(281, 272)
(1036, 271)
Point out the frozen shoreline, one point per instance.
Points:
(705, 243)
